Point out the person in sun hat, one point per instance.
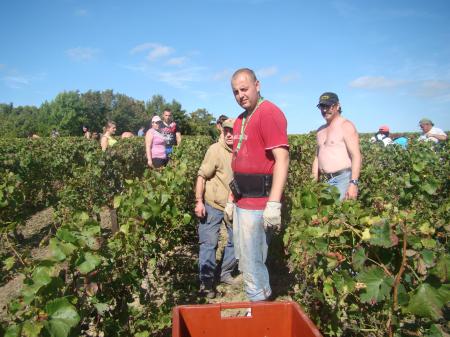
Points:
(382, 136)
(430, 133)
(338, 157)
(211, 194)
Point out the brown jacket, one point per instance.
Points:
(216, 170)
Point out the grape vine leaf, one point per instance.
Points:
(426, 302)
(32, 328)
(91, 261)
(381, 234)
(378, 285)
(359, 258)
(442, 268)
(62, 317)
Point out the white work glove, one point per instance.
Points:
(228, 212)
(272, 216)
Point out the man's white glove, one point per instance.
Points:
(228, 212)
(272, 216)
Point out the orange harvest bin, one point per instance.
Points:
(264, 319)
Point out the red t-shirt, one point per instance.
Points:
(265, 130)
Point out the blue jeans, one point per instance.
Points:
(251, 245)
(208, 232)
(342, 182)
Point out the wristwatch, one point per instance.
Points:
(354, 182)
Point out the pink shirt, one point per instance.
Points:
(332, 151)
(158, 145)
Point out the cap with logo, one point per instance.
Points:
(426, 121)
(156, 119)
(383, 128)
(228, 123)
(328, 99)
(221, 119)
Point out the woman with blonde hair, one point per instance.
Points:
(107, 140)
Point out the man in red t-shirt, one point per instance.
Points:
(260, 166)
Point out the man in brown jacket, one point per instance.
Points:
(211, 193)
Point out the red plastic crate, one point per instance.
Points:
(267, 319)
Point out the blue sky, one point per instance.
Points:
(389, 61)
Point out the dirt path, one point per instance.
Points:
(32, 239)
(29, 236)
(280, 279)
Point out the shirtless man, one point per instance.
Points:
(338, 157)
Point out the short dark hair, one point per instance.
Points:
(248, 71)
(221, 119)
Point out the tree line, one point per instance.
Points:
(70, 110)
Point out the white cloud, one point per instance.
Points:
(81, 54)
(375, 82)
(177, 61)
(142, 68)
(267, 72)
(224, 74)
(434, 88)
(290, 78)
(16, 82)
(141, 47)
(157, 50)
(180, 78)
(81, 12)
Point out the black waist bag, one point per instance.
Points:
(253, 185)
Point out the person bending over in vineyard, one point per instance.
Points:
(155, 145)
(170, 131)
(211, 195)
(260, 167)
(107, 140)
(382, 136)
(338, 157)
(86, 132)
(430, 132)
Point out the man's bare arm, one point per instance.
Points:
(280, 172)
(438, 137)
(199, 190)
(178, 137)
(104, 143)
(351, 139)
(315, 166)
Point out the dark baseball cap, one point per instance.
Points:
(328, 99)
(221, 119)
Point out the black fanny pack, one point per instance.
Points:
(251, 185)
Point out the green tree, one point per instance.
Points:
(95, 110)
(67, 112)
(128, 113)
(200, 123)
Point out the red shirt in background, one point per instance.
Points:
(265, 130)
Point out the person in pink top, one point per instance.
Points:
(155, 145)
(338, 157)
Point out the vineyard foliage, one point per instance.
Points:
(378, 266)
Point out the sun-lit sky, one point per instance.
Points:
(389, 61)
